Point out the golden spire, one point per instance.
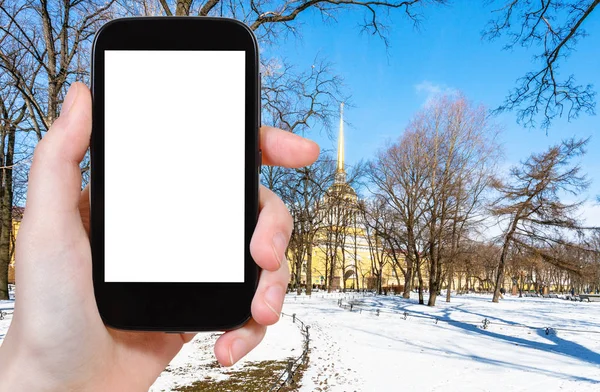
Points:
(340, 176)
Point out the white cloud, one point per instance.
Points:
(430, 90)
(590, 213)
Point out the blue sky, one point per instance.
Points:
(445, 53)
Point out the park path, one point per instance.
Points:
(331, 365)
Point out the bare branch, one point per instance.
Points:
(542, 93)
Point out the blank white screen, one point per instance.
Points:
(174, 166)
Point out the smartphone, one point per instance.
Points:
(175, 161)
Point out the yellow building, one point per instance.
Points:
(345, 254)
(16, 223)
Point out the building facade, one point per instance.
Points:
(343, 252)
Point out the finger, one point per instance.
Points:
(187, 337)
(272, 233)
(84, 208)
(270, 293)
(234, 345)
(280, 148)
(55, 177)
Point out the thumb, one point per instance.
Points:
(55, 178)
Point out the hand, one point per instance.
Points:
(57, 340)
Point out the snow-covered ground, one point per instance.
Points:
(196, 360)
(6, 307)
(361, 351)
(354, 351)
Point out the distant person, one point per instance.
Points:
(572, 291)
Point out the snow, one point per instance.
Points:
(360, 351)
(196, 360)
(353, 351)
(6, 307)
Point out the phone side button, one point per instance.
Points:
(259, 161)
(259, 100)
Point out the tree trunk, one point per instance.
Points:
(298, 280)
(356, 256)
(343, 267)
(500, 275)
(420, 277)
(328, 262)
(6, 214)
(432, 293)
(521, 287)
(450, 279)
(410, 259)
(408, 279)
(504, 254)
(433, 277)
(309, 250)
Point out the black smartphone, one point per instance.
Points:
(175, 161)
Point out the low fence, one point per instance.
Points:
(484, 323)
(4, 313)
(287, 376)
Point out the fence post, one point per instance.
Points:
(290, 379)
(294, 317)
(378, 312)
(486, 322)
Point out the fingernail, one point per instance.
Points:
(69, 100)
(273, 299)
(279, 245)
(237, 350)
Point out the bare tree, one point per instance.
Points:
(12, 114)
(434, 179)
(53, 42)
(45, 46)
(303, 191)
(555, 26)
(271, 18)
(399, 174)
(376, 217)
(536, 219)
(461, 155)
(340, 208)
(296, 102)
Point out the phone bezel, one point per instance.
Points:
(174, 307)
